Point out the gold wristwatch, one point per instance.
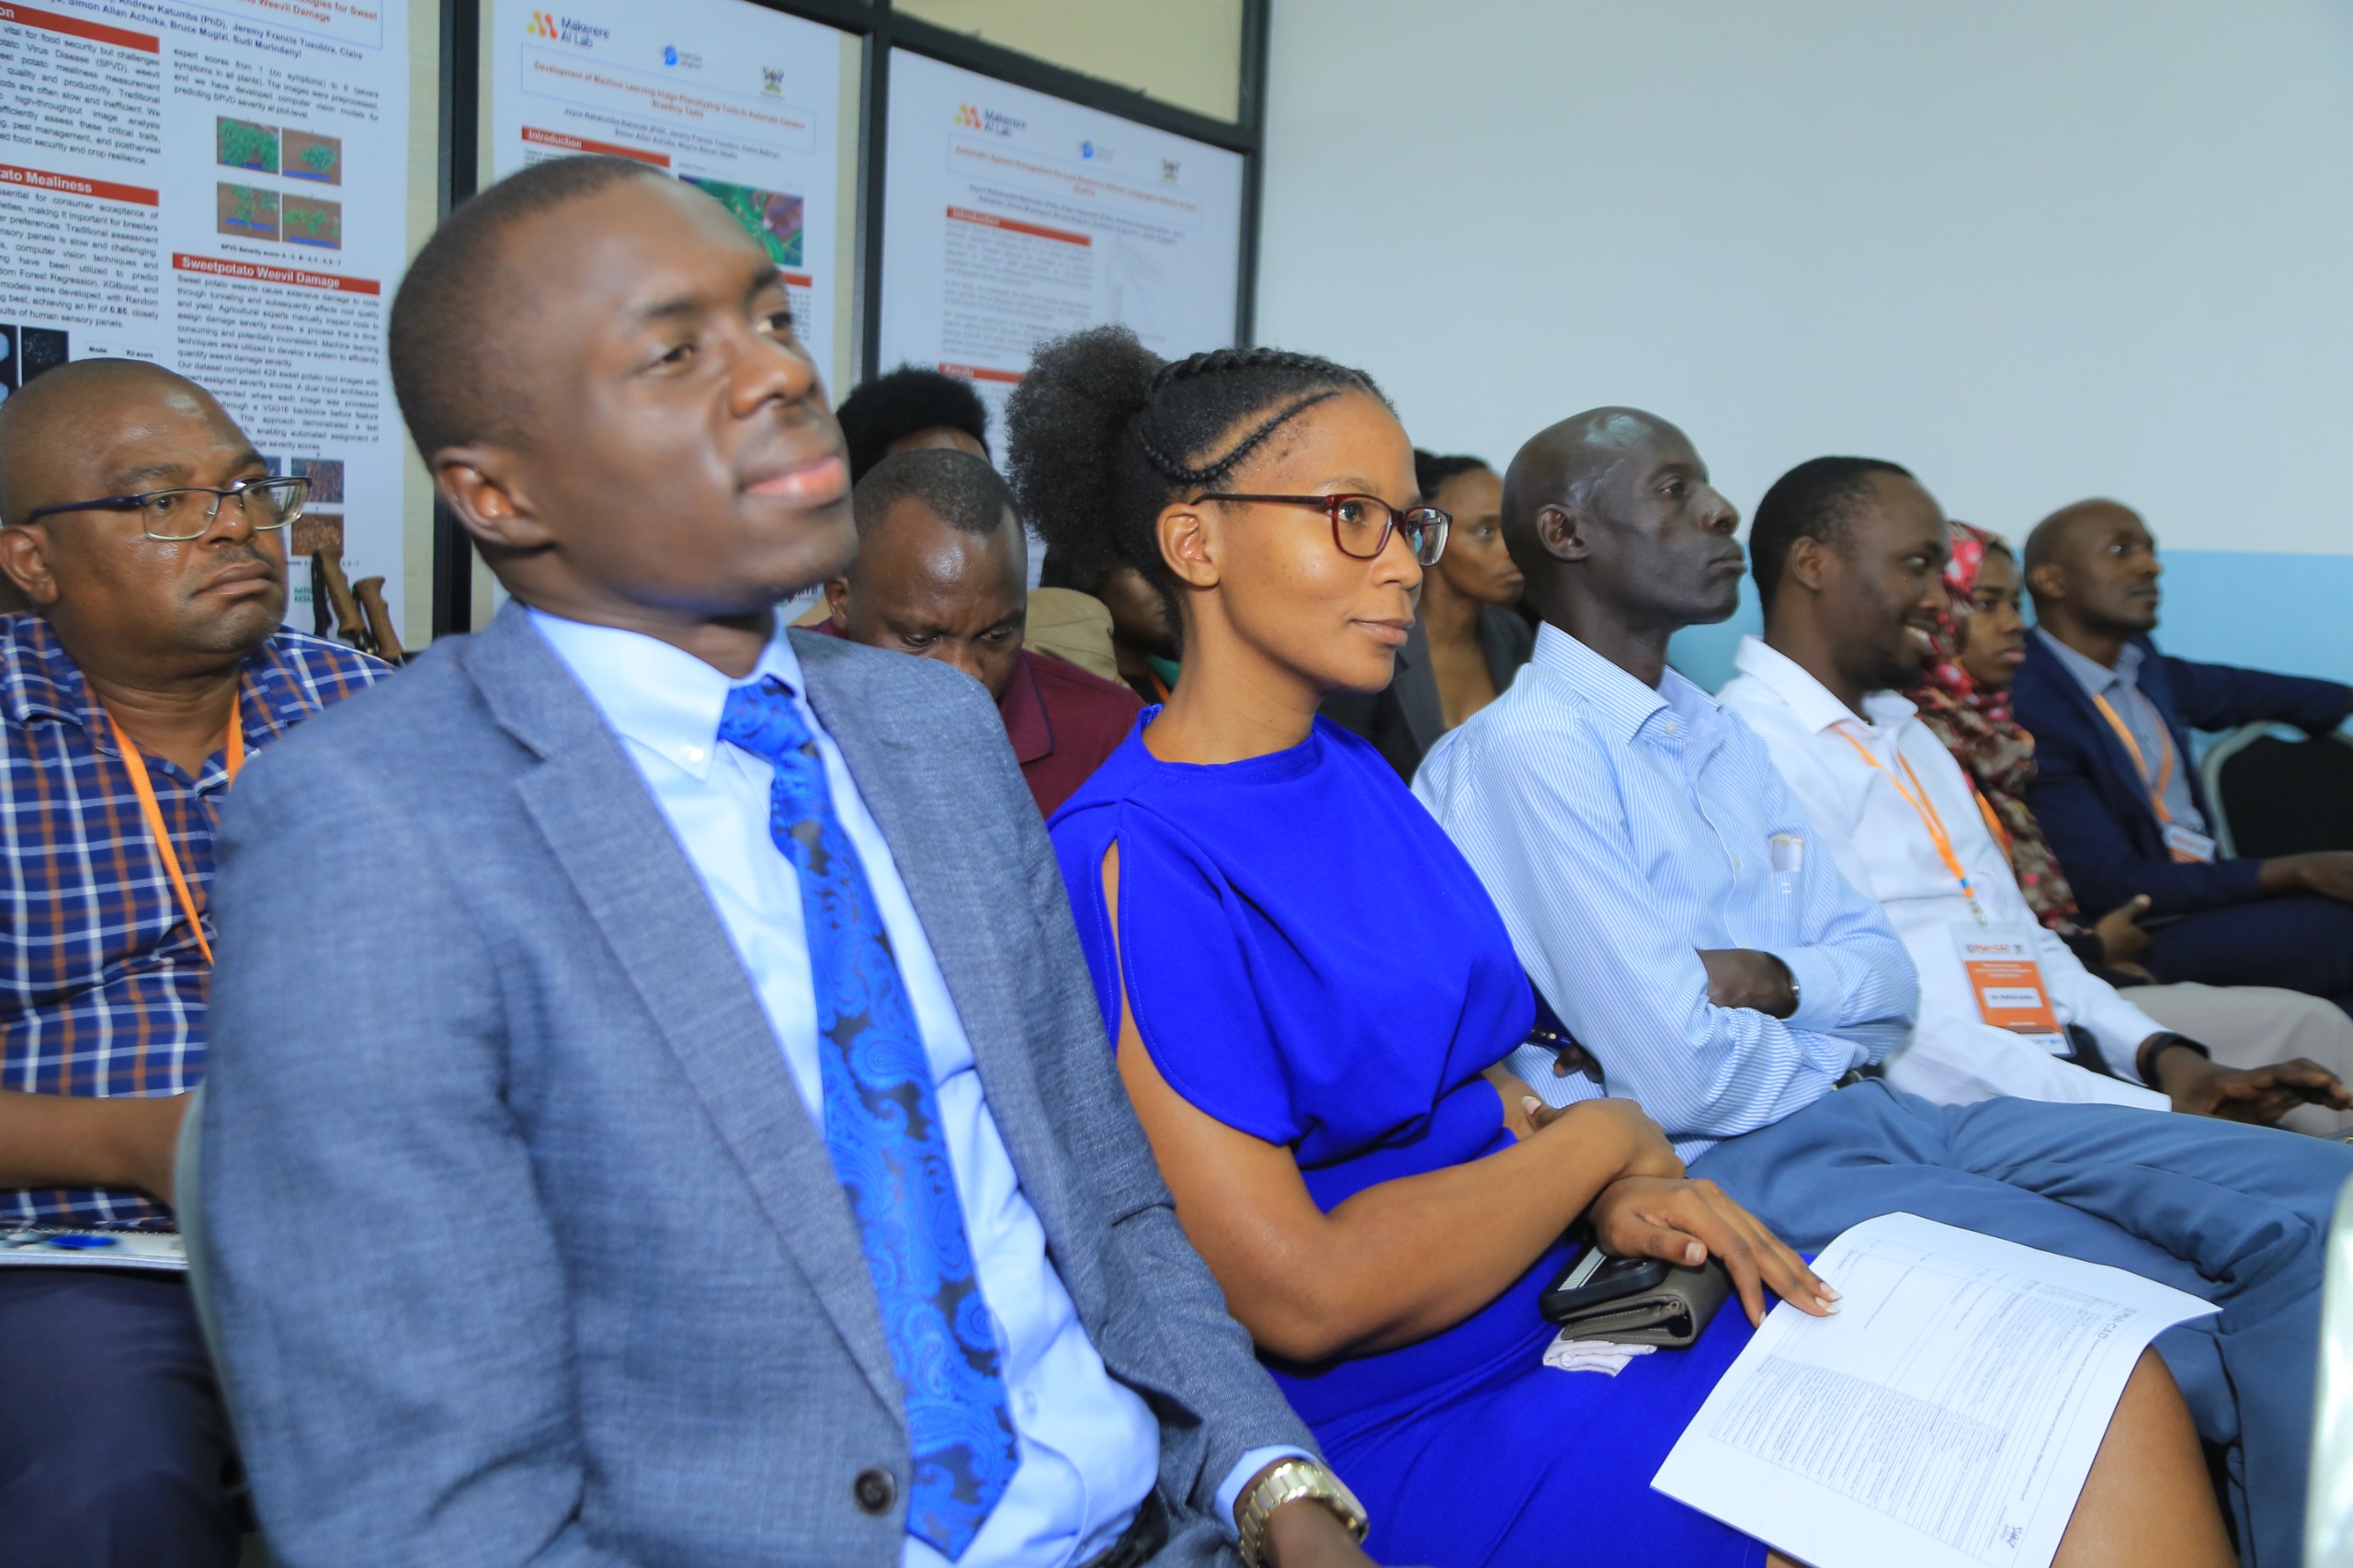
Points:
(1290, 1481)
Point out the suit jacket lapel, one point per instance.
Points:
(1415, 684)
(953, 873)
(637, 885)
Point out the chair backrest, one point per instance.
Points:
(2328, 1506)
(2273, 795)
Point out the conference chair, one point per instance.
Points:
(2273, 792)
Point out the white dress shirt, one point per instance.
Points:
(1619, 829)
(1884, 848)
(1090, 1446)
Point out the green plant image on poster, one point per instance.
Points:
(313, 157)
(311, 222)
(241, 144)
(771, 217)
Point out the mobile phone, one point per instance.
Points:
(1594, 1278)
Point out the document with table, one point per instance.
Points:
(1945, 1417)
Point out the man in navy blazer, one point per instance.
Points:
(699, 1145)
(2117, 792)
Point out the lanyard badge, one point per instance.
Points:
(2006, 981)
(1917, 797)
(136, 766)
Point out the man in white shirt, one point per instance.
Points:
(1677, 908)
(1849, 554)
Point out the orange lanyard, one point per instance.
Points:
(1917, 797)
(1985, 809)
(137, 766)
(2157, 790)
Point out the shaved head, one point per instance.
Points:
(1623, 540)
(2055, 535)
(40, 421)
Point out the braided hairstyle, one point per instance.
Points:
(1103, 433)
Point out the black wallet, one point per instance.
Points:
(1635, 1300)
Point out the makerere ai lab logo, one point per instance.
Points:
(566, 29)
(988, 121)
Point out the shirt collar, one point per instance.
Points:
(1623, 703)
(1023, 708)
(2090, 674)
(659, 695)
(1807, 697)
(39, 680)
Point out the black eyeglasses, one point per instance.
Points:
(185, 512)
(1361, 524)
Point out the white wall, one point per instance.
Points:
(2034, 249)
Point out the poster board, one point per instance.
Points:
(1011, 216)
(224, 187)
(746, 103)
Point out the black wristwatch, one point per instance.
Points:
(2156, 1045)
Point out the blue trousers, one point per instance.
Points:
(2235, 1215)
(114, 1450)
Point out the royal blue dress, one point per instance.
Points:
(1312, 962)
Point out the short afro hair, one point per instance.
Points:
(967, 494)
(1431, 471)
(1813, 500)
(897, 404)
(451, 365)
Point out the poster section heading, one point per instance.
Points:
(221, 188)
(742, 102)
(1012, 216)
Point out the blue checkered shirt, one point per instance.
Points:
(101, 982)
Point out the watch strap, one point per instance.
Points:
(1293, 1480)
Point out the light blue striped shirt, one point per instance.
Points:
(1621, 830)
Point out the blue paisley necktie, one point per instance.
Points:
(882, 1131)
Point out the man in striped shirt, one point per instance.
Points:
(1675, 906)
(146, 534)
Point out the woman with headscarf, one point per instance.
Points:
(1963, 697)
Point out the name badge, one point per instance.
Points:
(2006, 978)
(2187, 847)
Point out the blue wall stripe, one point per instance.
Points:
(2289, 613)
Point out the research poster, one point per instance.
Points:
(222, 188)
(1010, 216)
(742, 102)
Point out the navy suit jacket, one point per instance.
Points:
(2089, 796)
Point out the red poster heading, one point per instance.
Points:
(563, 143)
(73, 185)
(980, 373)
(262, 272)
(75, 27)
(991, 220)
(799, 281)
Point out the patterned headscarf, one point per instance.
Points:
(1976, 726)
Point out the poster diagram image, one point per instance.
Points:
(771, 216)
(311, 221)
(325, 475)
(249, 211)
(308, 155)
(241, 144)
(317, 533)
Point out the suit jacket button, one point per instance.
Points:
(875, 1491)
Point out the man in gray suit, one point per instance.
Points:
(703, 1147)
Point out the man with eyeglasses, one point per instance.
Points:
(146, 535)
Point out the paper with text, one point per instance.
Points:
(1946, 1416)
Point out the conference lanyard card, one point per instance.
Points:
(2007, 980)
(2189, 847)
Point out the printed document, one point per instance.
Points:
(1944, 1418)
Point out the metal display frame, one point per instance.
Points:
(882, 28)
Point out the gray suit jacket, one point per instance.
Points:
(521, 1245)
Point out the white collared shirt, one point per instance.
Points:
(1884, 848)
(1090, 1448)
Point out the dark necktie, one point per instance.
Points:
(882, 1131)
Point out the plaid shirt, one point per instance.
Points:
(101, 982)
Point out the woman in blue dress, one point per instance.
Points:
(1311, 993)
